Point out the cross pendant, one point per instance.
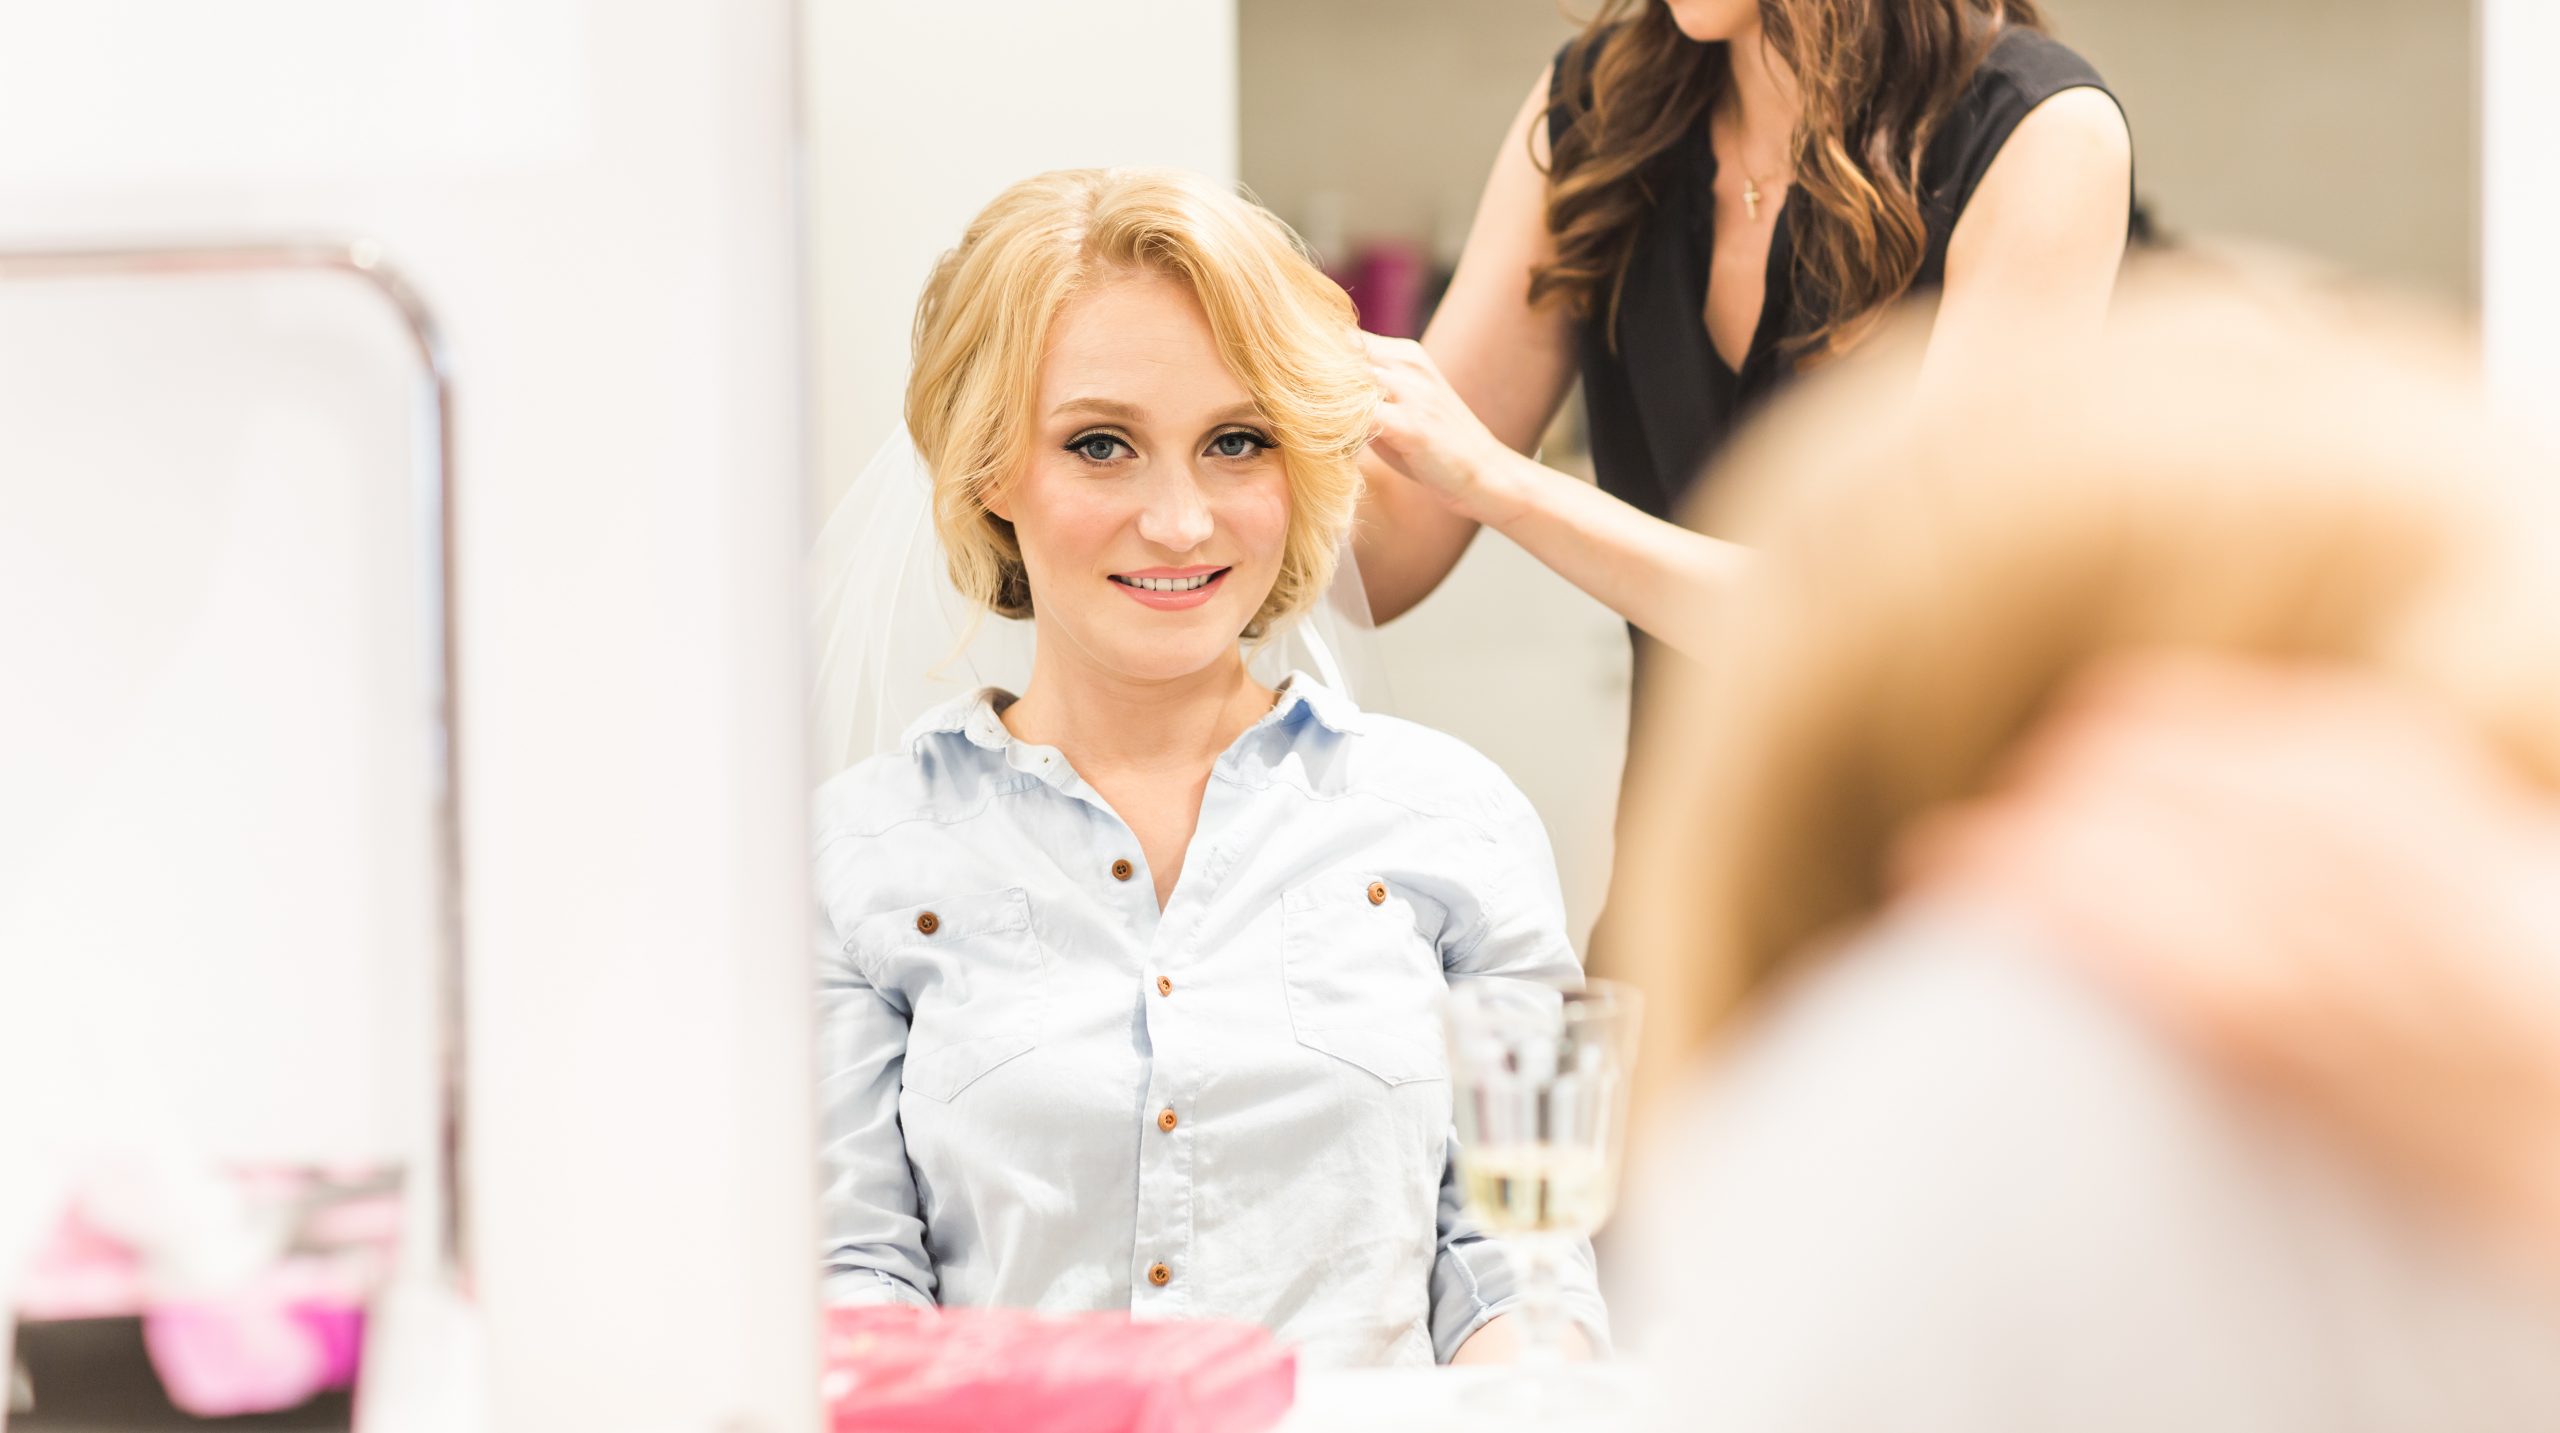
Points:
(1751, 198)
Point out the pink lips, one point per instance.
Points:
(1175, 601)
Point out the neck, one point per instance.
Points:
(1763, 97)
(1103, 721)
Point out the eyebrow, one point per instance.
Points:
(1130, 413)
(1099, 407)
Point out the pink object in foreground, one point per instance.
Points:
(251, 1355)
(905, 1370)
(298, 1252)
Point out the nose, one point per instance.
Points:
(1176, 515)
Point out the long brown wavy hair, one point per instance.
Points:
(1877, 78)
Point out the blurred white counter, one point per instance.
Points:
(1433, 1400)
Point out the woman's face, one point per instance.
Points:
(1714, 19)
(1154, 507)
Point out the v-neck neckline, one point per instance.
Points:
(1771, 264)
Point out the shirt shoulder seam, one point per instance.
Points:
(1012, 787)
(1473, 823)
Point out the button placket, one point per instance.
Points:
(1166, 1168)
(1167, 1165)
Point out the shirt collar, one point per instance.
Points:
(1331, 709)
(976, 716)
(973, 716)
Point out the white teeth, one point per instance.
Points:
(1170, 584)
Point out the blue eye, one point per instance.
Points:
(1096, 447)
(1239, 444)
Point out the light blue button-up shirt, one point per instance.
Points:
(1041, 1091)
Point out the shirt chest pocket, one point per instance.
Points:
(973, 976)
(1364, 980)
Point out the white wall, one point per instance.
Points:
(598, 200)
(920, 113)
(215, 836)
(1413, 98)
(2520, 202)
(2344, 127)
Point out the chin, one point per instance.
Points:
(1166, 654)
(1160, 665)
(1709, 20)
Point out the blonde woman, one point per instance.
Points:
(1919, 1114)
(1130, 980)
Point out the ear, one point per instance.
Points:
(999, 501)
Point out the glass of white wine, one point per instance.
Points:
(1539, 1078)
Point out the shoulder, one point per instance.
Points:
(1395, 743)
(1571, 64)
(2023, 70)
(1424, 770)
(921, 782)
(2030, 63)
(863, 795)
(1569, 73)
(2073, 134)
(2035, 96)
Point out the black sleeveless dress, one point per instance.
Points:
(1664, 402)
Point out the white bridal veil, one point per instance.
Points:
(894, 637)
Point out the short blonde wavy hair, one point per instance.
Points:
(1287, 332)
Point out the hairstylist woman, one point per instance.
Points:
(1699, 199)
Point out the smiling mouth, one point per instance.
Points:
(1171, 584)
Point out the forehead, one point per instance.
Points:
(1141, 339)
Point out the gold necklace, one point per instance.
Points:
(1750, 181)
(1751, 193)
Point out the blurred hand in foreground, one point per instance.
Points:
(2336, 893)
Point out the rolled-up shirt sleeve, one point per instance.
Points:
(1509, 926)
(873, 1241)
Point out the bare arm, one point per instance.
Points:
(2034, 257)
(1508, 362)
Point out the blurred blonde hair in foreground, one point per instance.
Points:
(2253, 462)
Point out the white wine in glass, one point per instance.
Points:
(1539, 1080)
(1539, 1188)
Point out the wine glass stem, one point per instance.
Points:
(1542, 1320)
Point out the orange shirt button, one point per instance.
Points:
(1122, 870)
(1167, 1121)
(928, 923)
(1159, 1275)
(1377, 893)
(1164, 985)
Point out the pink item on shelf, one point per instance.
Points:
(905, 1370)
(250, 1281)
(80, 1272)
(252, 1354)
(1386, 287)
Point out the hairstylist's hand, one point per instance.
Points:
(2334, 891)
(1427, 433)
(1498, 1341)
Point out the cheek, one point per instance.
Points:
(1256, 518)
(1062, 524)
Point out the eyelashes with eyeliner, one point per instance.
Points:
(1082, 442)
